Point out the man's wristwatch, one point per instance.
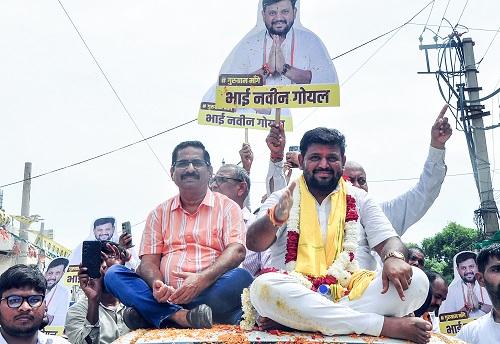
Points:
(286, 68)
(395, 254)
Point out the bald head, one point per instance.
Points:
(356, 174)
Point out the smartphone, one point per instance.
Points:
(91, 258)
(127, 229)
(291, 156)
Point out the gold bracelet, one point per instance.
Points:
(275, 222)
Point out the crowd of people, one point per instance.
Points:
(319, 254)
(203, 250)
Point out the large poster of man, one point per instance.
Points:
(57, 295)
(281, 49)
(464, 293)
(282, 53)
(103, 229)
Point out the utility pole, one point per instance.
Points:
(25, 211)
(488, 209)
(472, 114)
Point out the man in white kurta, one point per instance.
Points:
(465, 293)
(282, 51)
(486, 329)
(57, 295)
(394, 292)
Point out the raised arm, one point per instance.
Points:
(262, 233)
(409, 207)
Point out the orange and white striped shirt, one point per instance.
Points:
(191, 242)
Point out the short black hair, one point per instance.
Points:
(462, 257)
(104, 220)
(195, 144)
(21, 276)
(266, 3)
(432, 275)
(322, 136)
(58, 261)
(416, 248)
(484, 255)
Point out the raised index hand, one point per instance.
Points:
(441, 130)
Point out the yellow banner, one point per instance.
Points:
(70, 277)
(221, 118)
(284, 96)
(452, 327)
(54, 330)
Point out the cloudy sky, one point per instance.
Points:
(56, 107)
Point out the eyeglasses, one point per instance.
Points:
(197, 163)
(15, 301)
(361, 180)
(218, 180)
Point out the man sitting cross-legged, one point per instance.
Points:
(313, 230)
(191, 247)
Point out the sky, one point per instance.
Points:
(57, 108)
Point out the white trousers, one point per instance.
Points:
(281, 298)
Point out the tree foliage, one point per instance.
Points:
(442, 247)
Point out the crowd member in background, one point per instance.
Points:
(234, 182)
(438, 290)
(191, 248)
(246, 156)
(486, 329)
(409, 207)
(22, 306)
(465, 293)
(57, 295)
(98, 318)
(416, 257)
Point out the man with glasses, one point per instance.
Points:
(234, 182)
(22, 306)
(191, 248)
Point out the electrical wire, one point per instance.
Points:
(99, 155)
(489, 46)
(442, 18)
(428, 17)
(384, 34)
(112, 88)
(461, 14)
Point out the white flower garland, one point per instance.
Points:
(343, 267)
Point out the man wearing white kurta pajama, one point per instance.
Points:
(394, 292)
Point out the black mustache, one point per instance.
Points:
(316, 170)
(193, 175)
(279, 21)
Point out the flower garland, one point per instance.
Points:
(345, 264)
(340, 271)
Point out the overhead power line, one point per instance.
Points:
(112, 88)
(384, 34)
(100, 155)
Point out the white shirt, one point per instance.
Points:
(307, 49)
(481, 331)
(254, 261)
(57, 300)
(43, 339)
(409, 207)
(455, 299)
(373, 227)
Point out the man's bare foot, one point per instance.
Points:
(414, 329)
(269, 324)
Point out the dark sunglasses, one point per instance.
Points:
(197, 163)
(15, 301)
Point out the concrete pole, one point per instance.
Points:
(483, 177)
(25, 211)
